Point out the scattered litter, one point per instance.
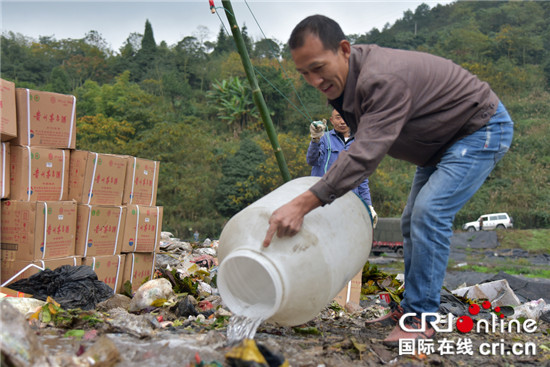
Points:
(187, 306)
(248, 353)
(155, 292)
(140, 326)
(531, 310)
(498, 293)
(24, 305)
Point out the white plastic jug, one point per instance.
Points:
(294, 278)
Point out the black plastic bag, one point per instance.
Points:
(70, 286)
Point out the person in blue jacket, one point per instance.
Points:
(324, 149)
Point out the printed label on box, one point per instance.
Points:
(142, 229)
(97, 178)
(38, 230)
(99, 229)
(39, 174)
(46, 119)
(141, 182)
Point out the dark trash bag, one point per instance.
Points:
(70, 286)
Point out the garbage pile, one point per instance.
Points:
(182, 301)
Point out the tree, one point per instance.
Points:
(294, 148)
(238, 186)
(123, 101)
(148, 44)
(224, 43)
(104, 134)
(25, 62)
(467, 44)
(59, 81)
(232, 100)
(266, 48)
(190, 59)
(189, 154)
(246, 39)
(176, 88)
(146, 56)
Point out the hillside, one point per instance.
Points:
(189, 106)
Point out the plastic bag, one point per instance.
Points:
(70, 286)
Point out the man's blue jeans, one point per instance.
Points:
(437, 194)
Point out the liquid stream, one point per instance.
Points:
(242, 327)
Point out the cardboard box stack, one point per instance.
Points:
(38, 222)
(62, 206)
(143, 220)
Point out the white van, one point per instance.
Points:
(490, 222)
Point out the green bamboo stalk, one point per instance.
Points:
(257, 95)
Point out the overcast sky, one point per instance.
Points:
(174, 20)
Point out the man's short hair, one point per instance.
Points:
(328, 31)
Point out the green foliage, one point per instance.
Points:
(532, 240)
(294, 149)
(189, 155)
(232, 100)
(122, 101)
(103, 134)
(238, 187)
(59, 81)
(266, 48)
(189, 106)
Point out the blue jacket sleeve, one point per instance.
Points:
(316, 156)
(364, 191)
(313, 156)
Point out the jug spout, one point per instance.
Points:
(252, 284)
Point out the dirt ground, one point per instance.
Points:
(334, 338)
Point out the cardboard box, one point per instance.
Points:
(97, 178)
(352, 292)
(5, 170)
(8, 111)
(138, 267)
(14, 270)
(99, 230)
(142, 228)
(108, 269)
(141, 185)
(45, 119)
(38, 230)
(39, 174)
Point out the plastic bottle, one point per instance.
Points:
(294, 278)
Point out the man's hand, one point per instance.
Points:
(288, 219)
(374, 216)
(317, 130)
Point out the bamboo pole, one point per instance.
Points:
(257, 95)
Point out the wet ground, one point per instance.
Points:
(334, 338)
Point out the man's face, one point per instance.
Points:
(323, 69)
(339, 123)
